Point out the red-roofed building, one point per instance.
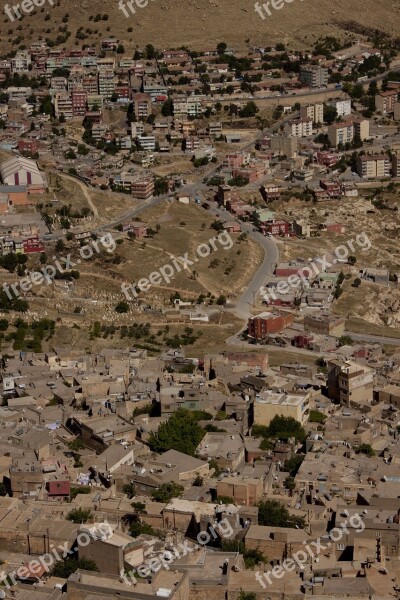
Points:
(58, 490)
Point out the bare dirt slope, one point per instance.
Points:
(200, 23)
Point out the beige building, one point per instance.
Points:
(350, 383)
(284, 145)
(374, 166)
(268, 405)
(324, 324)
(315, 112)
(244, 490)
(341, 133)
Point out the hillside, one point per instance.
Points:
(200, 23)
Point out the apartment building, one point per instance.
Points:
(284, 145)
(90, 84)
(106, 84)
(341, 133)
(374, 166)
(299, 127)
(395, 165)
(315, 112)
(269, 404)
(142, 187)
(385, 101)
(361, 128)
(342, 106)
(21, 62)
(350, 383)
(260, 326)
(147, 142)
(79, 99)
(142, 106)
(314, 76)
(188, 106)
(63, 105)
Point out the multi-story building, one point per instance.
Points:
(315, 112)
(90, 84)
(142, 105)
(385, 101)
(284, 145)
(63, 105)
(341, 133)
(314, 76)
(374, 166)
(395, 165)
(21, 62)
(79, 99)
(300, 127)
(188, 106)
(143, 187)
(106, 83)
(269, 404)
(324, 324)
(343, 106)
(350, 383)
(361, 128)
(260, 326)
(147, 142)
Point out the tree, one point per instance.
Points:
(167, 109)
(66, 567)
(122, 307)
(60, 246)
(365, 449)
(79, 515)
(274, 514)
(284, 428)
(181, 432)
(129, 489)
(167, 491)
(198, 481)
(221, 47)
(345, 340)
(357, 282)
(250, 110)
(352, 260)
(289, 483)
(330, 114)
(316, 417)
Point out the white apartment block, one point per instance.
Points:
(147, 142)
(343, 107)
(20, 63)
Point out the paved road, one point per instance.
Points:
(373, 339)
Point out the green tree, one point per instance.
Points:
(129, 489)
(274, 514)
(181, 432)
(316, 417)
(198, 481)
(365, 449)
(79, 515)
(65, 568)
(167, 491)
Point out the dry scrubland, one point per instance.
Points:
(182, 229)
(200, 23)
